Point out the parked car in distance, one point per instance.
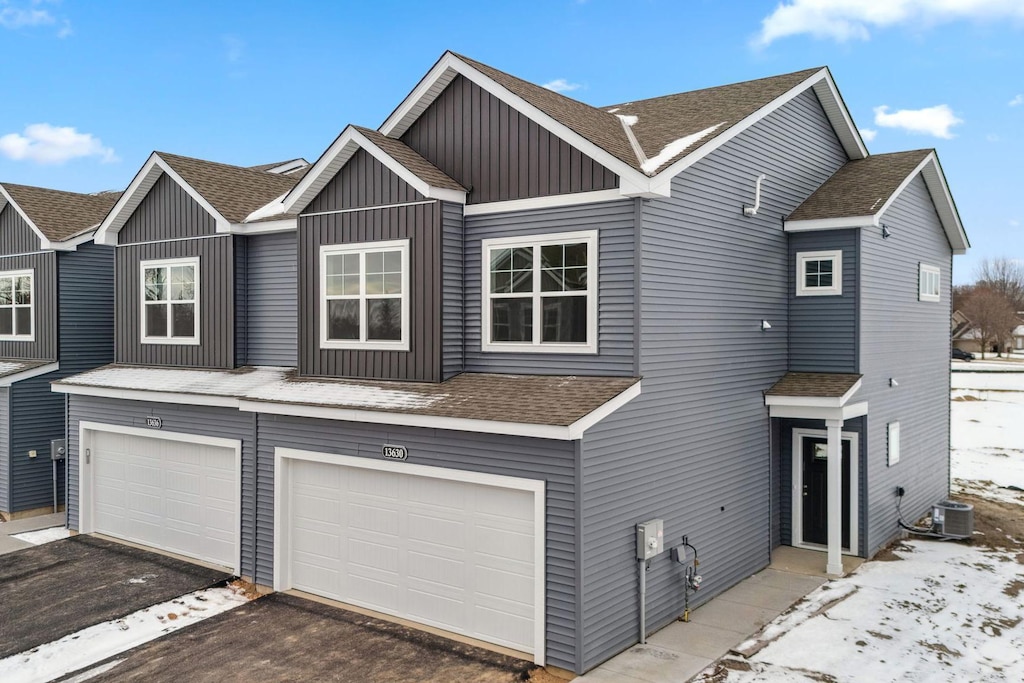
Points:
(960, 354)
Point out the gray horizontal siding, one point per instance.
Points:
(223, 423)
(271, 315)
(823, 329)
(551, 461)
(614, 222)
(498, 153)
(216, 305)
(166, 212)
(908, 340)
(37, 417)
(363, 181)
(421, 225)
(5, 450)
(44, 273)
(453, 290)
(18, 237)
(86, 279)
(694, 448)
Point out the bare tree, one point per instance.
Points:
(992, 315)
(1005, 277)
(960, 295)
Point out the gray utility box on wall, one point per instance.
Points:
(58, 449)
(650, 539)
(955, 520)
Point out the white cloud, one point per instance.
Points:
(868, 134)
(843, 20)
(234, 49)
(1016, 101)
(937, 120)
(24, 14)
(46, 144)
(561, 85)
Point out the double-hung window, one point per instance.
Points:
(540, 293)
(928, 283)
(364, 296)
(819, 273)
(16, 316)
(170, 301)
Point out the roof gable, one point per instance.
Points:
(61, 220)
(863, 189)
(419, 173)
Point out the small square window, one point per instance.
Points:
(928, 283)
(894, 443)
(819, 273)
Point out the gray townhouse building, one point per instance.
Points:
(443, 372)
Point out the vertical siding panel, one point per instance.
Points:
(44, 309)
(167, 212)
(16, 237)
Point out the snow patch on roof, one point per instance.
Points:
(7, 368)
(612, 111)
(628, 120)
(341, 394)
(675, 148)
(177, 380)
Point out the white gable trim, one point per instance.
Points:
(264, 227)
(137, 191)
(831, 223)
(335, 158)
(5, 199)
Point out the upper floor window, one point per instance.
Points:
(928, 283)
(16, 316)
(819, 273)
(364, 296)
(540, 293)
(170, 301)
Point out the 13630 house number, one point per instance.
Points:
(394, 452)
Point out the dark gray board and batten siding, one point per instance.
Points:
(551, 461)
(44, 273)
(496, 152)
(266, 315)
(908, 340)
(615, 223)
(18, 237)
(823, 329)
(694, 447)
(362, 183)
(167, 212)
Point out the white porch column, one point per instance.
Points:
(834, 429)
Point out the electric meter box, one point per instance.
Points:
(650, 539)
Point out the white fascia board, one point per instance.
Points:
(822, 84)
(142, 395)
(853, 410)
(548, 202)
(814, 401)
(263, 227)
(27, 374)
(272, 208)
(831, 223)
(632, 181)
(417, 183)
(805, 412)
(137, 191)
(935, 180)
(72, 243)
(577, 428)
(44, 243)
(555, 432)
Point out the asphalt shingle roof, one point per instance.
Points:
(814, 384)
(61, 215)
(234, 191)
(861, 187)
(411, 160)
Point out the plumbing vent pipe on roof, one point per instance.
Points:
(752, 210)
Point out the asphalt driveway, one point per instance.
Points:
(52, 590)
(286, 638)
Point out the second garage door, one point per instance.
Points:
(171, 494)
(457, 555)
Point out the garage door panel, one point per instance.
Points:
(172, 495)
(453, 554)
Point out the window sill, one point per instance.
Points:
(364, 346)
(172, 342)
(824, 292)
(13, 338)
(526, 347)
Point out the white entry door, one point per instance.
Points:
(415, 542)
(179, 494)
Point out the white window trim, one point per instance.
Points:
(893, 443)
(837, 273)
(31, 336)
(925, 269)
(362, 344)
(537, 241)
(194, 340)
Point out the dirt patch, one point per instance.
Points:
(1014, 588)
(249, 590)
(888, 553)
(880, 636)
(941, 650)
(966, 398)
(997, 525)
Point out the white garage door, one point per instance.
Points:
(173, 495)
(457, 555)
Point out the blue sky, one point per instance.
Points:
(253, 82)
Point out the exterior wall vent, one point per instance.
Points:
(953, 520)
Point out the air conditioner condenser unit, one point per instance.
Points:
(953, 520)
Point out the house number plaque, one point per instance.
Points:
(154, 422)
(394, 452)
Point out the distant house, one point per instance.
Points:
(445, 373)
(56, 319)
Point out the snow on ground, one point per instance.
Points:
(96, 643)
(43, 535)
(939, 611)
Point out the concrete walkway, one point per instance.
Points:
(20, 526)
(682, 650)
